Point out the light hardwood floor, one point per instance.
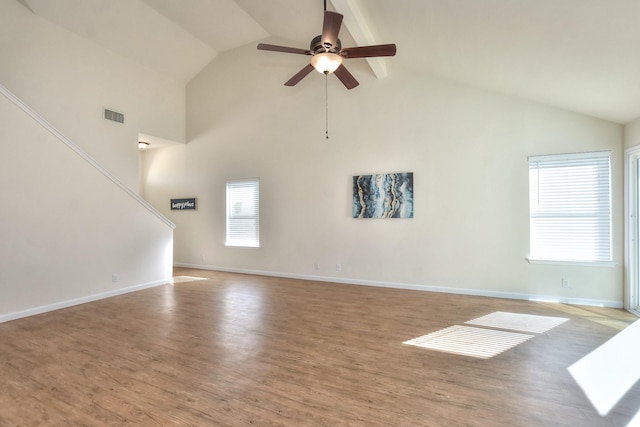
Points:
(238, 350)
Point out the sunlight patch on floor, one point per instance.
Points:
(182, 279)
(635, 422)
(483, 342)
(518, 322)
(469, 341)
(594, 314)
(607, 373)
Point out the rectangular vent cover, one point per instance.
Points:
(112, 115)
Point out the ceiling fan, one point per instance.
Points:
(327, 53)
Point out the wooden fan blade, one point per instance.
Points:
(345, 77)
(274, 48)
(299, 75)
(331, 28)
(369, 51)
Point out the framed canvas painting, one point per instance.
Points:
(387, 195)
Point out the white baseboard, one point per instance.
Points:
(410, 286)
(416, 287)
(77, 301)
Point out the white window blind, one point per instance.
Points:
(243, 213)
(570, 207)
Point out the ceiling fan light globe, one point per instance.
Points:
(326, 62)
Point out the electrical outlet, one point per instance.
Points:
(566, 283)
(316, 266)
(338, 267)
(114, 278)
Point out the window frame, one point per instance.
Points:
(599, 246)
(251, 213)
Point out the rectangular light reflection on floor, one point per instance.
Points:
(183, 279)
(635, 422)
(608, 372)
(469, 341)
(518, 322)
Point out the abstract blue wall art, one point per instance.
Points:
(383, 195)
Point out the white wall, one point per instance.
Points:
(467, 149)
(65, 229)
(69, 81)
(632, 134)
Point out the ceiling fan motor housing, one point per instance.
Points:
(317, 46)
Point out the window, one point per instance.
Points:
(243, 213)
(570, 207)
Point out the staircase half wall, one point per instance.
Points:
(69, 231)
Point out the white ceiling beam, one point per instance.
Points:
(361, 32)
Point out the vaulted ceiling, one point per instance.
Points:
(581, 55)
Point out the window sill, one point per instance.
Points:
(242, 245)
(608, 264)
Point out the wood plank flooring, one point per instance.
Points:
(240, 350)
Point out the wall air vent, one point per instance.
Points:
(112, 115)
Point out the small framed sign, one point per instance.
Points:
(183, 204)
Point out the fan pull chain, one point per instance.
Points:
(326, 103)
